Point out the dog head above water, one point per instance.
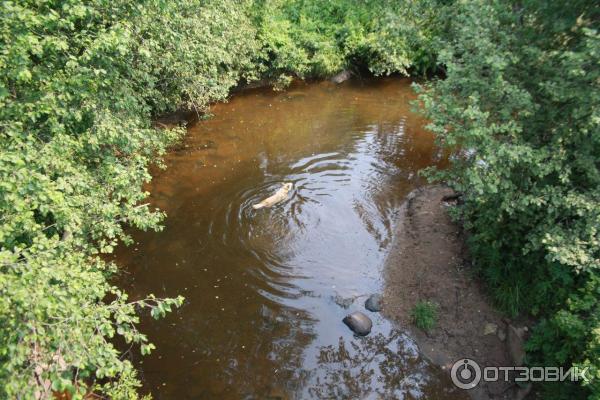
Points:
(287, 186)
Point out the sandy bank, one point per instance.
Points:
(428, 262)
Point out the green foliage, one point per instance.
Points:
(519, 110)
(79, 85)
(424, 315)
(316, 38)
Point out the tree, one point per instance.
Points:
(519, 111)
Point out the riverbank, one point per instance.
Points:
(428, 262)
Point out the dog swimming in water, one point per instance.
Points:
(278, 197)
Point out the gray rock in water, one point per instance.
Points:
(343, 302)
(359, 323)
(374, 303)
(341, 77)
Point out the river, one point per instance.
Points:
(261, 318)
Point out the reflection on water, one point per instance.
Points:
(260, 320)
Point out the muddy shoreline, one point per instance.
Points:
(428, 262)
(190, 116)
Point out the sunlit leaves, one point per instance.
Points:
(319, 38)
(519, 112)
(80, 82)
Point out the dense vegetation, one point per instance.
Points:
(79, 85)
(520, 110)
(317, 38)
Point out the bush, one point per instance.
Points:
(79, 85)
(79, 82)
(316, 38)
(519, 110)
(424, 315)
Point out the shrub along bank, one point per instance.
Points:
(81, 81)
(520, 111)
(79, 85)
(317, 38)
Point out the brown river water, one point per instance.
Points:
(261, 319)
